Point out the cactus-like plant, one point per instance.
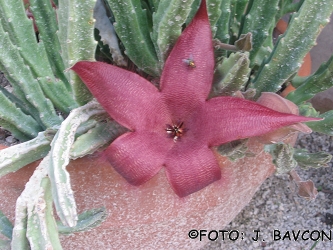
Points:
(53, 114)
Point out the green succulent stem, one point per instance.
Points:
(298, 80)
(76, 36)
(87, 220)
(42, 231)
(282, 155)
(26, 86)
(34, 221)
(288, 6)
(324, 126)
(15, 157)
(223, 23)
(232, 74)
(46, 20)
(214, 13)
(100, 135)
(237, 8)
(6, 227)
(60, 157)
(258, 20)
(308, 87)
(107, 35)
(132, 28)
(308, 160)
(13, 115)
(168, 21)
(292, 46)
(33, 57)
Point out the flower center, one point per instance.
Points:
(176, 130)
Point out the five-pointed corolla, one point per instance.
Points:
(176, 126)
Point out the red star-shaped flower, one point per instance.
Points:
(176, 126)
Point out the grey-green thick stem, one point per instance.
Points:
(321, 80)
(76, 36)
(258, 21)
(59, 159)
(46, 20)
(134, 33)
(168, 21)
(15, 157)
(293, 45)
(34, 222)
(100, 135)
(22, 35)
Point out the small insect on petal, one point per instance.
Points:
(189, 62)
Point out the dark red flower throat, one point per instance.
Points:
(176, 130)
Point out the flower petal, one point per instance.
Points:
(225, 119)
(127, 97)
(184, 86)
(190, 167)
(138, 156)
(278, 103)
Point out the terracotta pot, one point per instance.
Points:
(150, 216)
(305, 69)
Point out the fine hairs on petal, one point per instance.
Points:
(179, 108)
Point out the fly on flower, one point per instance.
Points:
(189, 61)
